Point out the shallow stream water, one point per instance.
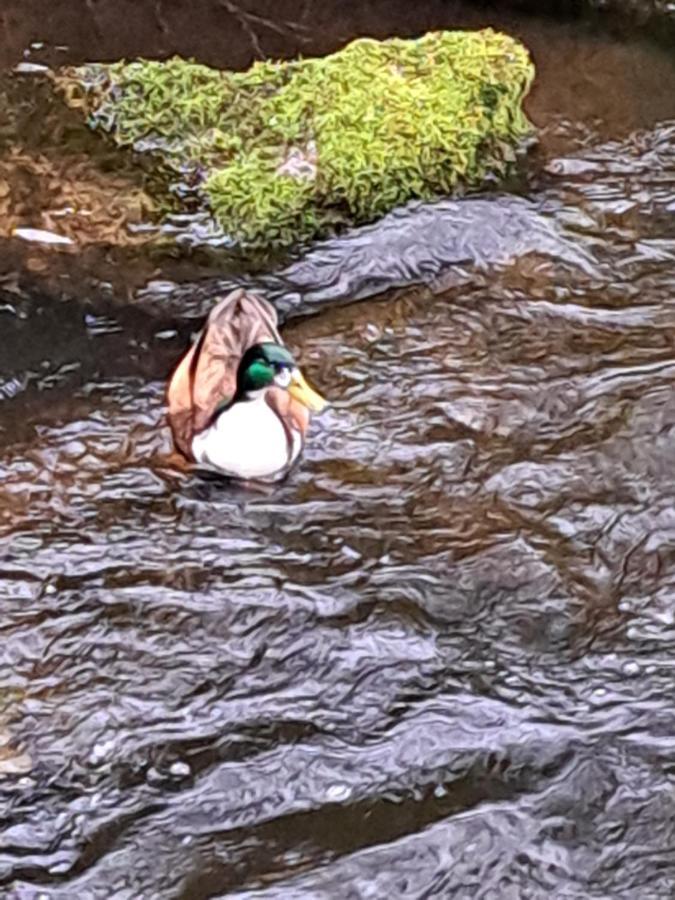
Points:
(439, 660)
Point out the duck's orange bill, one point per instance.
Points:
(310, 398)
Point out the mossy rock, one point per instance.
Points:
(287, 151)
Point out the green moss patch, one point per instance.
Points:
(288, 150)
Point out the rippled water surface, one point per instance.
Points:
(438, 660)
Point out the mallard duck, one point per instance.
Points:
(238, 403)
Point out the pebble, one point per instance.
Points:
(28, 68)
(39, 236)
(180, 770)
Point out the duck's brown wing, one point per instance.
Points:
(206, 377)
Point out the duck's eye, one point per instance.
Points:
(283, 377)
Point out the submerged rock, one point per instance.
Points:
(288, 151)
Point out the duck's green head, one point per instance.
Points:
(272, 365)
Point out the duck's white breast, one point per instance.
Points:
(246, 441)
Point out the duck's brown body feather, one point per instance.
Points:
(206, 377)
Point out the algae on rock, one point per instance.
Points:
(288, 150)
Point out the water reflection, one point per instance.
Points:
(436, 661)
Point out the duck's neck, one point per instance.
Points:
(240, 397)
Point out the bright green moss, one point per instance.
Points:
(286, 151)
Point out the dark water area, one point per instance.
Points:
(438, 660)
(233, 33)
